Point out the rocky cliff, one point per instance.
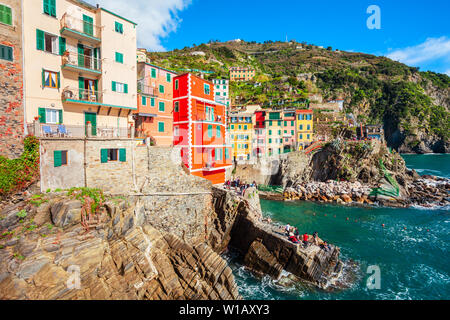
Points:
(79, 244)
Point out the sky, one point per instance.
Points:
(415, 32)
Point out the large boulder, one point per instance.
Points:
(66, 213)
(260, 260)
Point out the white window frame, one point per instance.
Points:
(48, 118)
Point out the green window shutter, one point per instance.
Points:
(80, 55)
(88, 25)
(227, 154)
(123, 155)
(43, 78)
(80, 87)
(153, 73)
(57, 156)
(52, 8)
(162, 106)
(104, 155)
(59, 79)
(210, 131)
(218, 133)
(168, 77)
(119, 57)
(114, 86)
(60, 117)
(62, 45)
(125, 86)
(41, 112)
(176, 84)
(47, 6)
(5, 15)
(161, 88)
(144, 101)
(161, 127)
(152, 102)
(40, 40)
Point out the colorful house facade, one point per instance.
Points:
(80, 65)
(289, 137)
(305, 128)
(200, 128)
(259, 137)
(154, 115)
(274, 130)
(241, 135)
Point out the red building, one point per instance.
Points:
(200, 127)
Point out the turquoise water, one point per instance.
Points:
(412, 251)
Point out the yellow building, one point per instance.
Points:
(79, 67)
(241, 135)
(305, 128)
(274, 131)
(241, 74)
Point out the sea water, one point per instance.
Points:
(411, 251)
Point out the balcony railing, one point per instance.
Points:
(148, 90)
(76, 131)
(77, 60)
(83, 28)
(85, 95)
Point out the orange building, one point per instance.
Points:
(155, 104)
(200, 128)
(241, 74)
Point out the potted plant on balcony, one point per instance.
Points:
(65, 57)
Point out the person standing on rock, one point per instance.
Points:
(315, 238)
(305, 240)
(288, 229)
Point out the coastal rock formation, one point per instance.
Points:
(124, 258)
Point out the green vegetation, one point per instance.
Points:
(82, 194)
(18, 174)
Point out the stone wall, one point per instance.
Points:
(11, 86)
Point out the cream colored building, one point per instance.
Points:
(79, 66)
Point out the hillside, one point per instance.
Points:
(413, 105)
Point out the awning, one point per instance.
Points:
(148, 115)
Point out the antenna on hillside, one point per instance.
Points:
(286, 38)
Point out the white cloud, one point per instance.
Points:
(156, 19)
(432, 49)
(447, 72)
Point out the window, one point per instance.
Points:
(176, 131)
(270, 132)
(51, 116)
(161, 88)
(161, 106)
(51, 79)
(107, 155)
(144, 101)
(218, 154)
(119, 27)
(59, 158)
(232, 126)
(206, 89)
(119, 57)
(301, 127)
(309, 127)
(5, 15)
(227, 154)
(177, 107)
(176, 85)
(119, 87)
(168, 77)
(152, 102)
(50, 7)
(245, 127)
(301, 137)
(153, 73)
(160, 126)
(308, 137)
(6, 53)
(218, 132)
(47, 42)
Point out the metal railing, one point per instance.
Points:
(77, 131)
(82, 95)
(148, 90)
(82, 26)
(81, 60)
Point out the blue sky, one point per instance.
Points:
(415, 32)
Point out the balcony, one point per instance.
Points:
(81, 63)
(76, 131)
(80, 29)
(85, 96)
(147, 90)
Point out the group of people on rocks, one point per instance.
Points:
(240, 185)
(294, 236)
